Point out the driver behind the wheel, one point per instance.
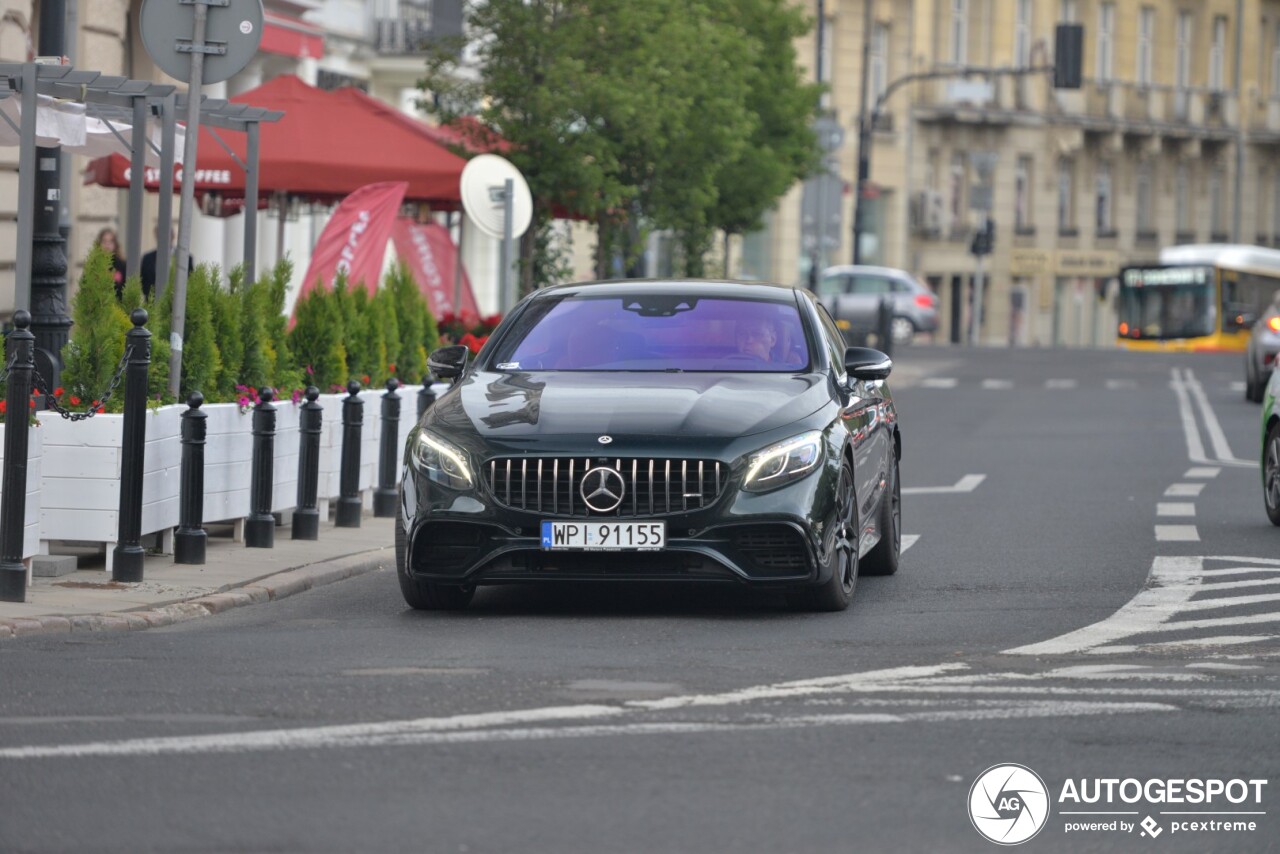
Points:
(756, 338)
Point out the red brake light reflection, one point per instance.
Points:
(925, 300)
(1274, 323)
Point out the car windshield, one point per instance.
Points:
(655, 332)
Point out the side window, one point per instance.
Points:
(829, 286)
(833, 340)
(873, 285)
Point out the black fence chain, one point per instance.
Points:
(43, 387)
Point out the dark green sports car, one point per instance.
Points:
(673, 430)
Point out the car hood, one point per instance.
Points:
(526, 405)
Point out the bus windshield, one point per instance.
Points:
(1168, 302)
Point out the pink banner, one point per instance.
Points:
(355, 239)
(431, 256)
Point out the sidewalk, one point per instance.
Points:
(87, 600)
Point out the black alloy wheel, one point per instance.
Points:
(836, 592)
(1271, 474)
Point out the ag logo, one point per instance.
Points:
(1008, 804)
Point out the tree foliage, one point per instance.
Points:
(688, 115)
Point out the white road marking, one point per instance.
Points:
(1218, 622)
(1229, 601)
(1203, 472)
(1184, 490)
(1231, 585)
(938, 382)
(1188, 388)
(908, 540)
(1190, 432)
(1177, 533)
(1175, 508)
(997, 384)
(1060, 384)
(968, 483)
(1171, 582)
(1116, 385)
(1238, 385)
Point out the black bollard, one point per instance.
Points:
(13, 502)
(190, 539)
(128, 555)
(306, 516)
(426, 396)
(260, 527)
(349, 505)
(384, 497)
(884, 325)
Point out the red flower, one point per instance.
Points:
(57, 392)
(33, 403)
(75, 401)
(391, 367)
(4, 407)
(365, 379)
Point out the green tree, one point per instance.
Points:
(92, 355)
(201, 361)
(316, 340)
(287, 374)
(417, 329)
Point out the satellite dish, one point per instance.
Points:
(483, 188)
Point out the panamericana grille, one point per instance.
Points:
(654, 486)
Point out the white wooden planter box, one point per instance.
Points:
(228, 460)
(31, 515)
(81, 477)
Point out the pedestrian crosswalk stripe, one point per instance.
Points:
(1177, 533)
(1203, 472)
(997, 384)
(1064, 383)
(939, 382)
(1184, 490)
(1175, 508)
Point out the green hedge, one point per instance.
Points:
(237, 337)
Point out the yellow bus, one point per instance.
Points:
(1197, 298)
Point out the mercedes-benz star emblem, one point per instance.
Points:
(604, 440)
(602, 489)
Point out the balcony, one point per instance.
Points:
(416, 25)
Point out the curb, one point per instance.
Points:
(277, 586)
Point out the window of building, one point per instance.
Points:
(1066, 194)
(959, 180)
(1182, 51)
(879, 60)
(1275, 62)
(1217, 200)
(1275, 204)
(1218, 55)
(1106, 41)
(1182, 198)
(1146, 40)
(1264, 203)
(1022, 34)
(959, 31)
(1022, 193)
(1102, 199)
(1069, 12)
(1144, 197)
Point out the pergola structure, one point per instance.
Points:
(124, 105)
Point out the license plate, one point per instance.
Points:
(604, 536)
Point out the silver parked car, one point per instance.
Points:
(1260, 356)
(852, 294)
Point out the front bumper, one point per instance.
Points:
(770, 538)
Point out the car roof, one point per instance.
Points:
(869, 269)
(722, 288)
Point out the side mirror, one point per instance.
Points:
(448, 363)
(1242, 319)
(864, 363)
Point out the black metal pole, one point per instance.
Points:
(384, 497)
(426, 396)
(260, 527)
(349, 507)
(884, 325)
(190, 539)
(127, 559)
(50, 321)
(306, 517)
(13, 501)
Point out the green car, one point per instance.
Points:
(1271, 448)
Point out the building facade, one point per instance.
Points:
(1173, 138)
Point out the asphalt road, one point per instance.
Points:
(1093, 593)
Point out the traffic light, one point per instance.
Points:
(1068, 56)
(984, 239)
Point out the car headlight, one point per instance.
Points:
(443, 462)
(783, 463)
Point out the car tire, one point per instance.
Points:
(1271, 473)
(1253, 388)
(884, 556)
(902, 330)
(836, 592)
(426, 595)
